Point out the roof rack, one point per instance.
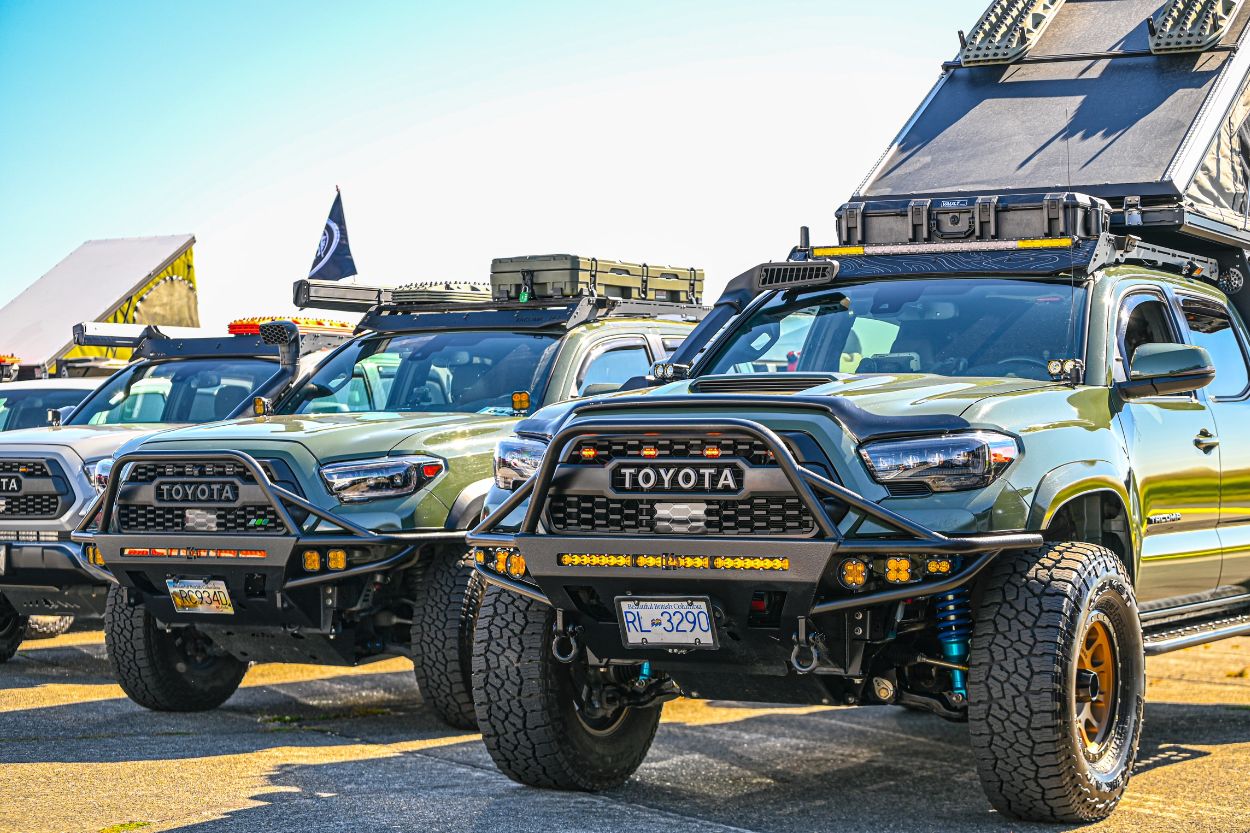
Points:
(150, 341)
(535, 314)
(1190, 25)
(1006, 31)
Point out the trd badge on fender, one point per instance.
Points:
(196, 491)
(710, 479)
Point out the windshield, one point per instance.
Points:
(948, 326)
(473, 372)
(188, 390)
(29, 408)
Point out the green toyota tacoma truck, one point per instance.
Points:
(985, 490)
(981, 458)
(330, 528)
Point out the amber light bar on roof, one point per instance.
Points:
(931, 248)
(251, 326)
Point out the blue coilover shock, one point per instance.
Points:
(954, 625)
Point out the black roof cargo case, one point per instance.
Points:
(1142, 103)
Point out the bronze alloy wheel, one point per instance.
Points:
(1097, 678)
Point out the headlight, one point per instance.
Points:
(356, 481)
(944, 464)
(98, 473)
(516, 460)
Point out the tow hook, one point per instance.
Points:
(564, 645)
(806, 646)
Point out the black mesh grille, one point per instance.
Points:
(34, 468)
(257, 520)
(30, 506)
(251, 518)
(774, 515)
(610, 448)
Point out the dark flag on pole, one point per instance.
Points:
(334, 259)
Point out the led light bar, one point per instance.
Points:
(937, 248)
(671, 561)
(189, 552)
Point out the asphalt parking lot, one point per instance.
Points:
(316, 749)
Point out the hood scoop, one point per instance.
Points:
(764, 383)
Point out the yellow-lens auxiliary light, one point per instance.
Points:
(923, 248)
(671, 561)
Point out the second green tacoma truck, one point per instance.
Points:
(330, 528)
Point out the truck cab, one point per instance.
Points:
(50, 475)
(330, 528)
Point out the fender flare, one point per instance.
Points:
(1064, 484)
(466, 509)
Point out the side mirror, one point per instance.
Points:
(1159, 369)
(599, 388)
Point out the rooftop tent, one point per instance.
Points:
(1138, 100)
(137, 280)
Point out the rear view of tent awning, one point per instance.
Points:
(129, 280)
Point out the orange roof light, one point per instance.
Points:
(251, 326)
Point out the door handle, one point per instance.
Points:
(1206, 440)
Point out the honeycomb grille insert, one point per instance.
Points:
(775, 515)
(256, 520)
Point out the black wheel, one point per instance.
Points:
(46, 627)
(175, 671)
(1056, 683)
(12, 630)
(448, 597)
(531, 711)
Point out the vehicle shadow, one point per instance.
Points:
(866, 769)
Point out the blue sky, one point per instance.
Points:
(691, 133)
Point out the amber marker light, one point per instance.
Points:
(650, 452)
(589, 452)
(853, 573)
(312, 561)
(336, 559)
(711, 451)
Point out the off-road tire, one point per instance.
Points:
(1030, 620)
(12, 630)
(154, 671)
(448, 597)
(46, 627)
(527, 717)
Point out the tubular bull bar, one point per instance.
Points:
(540, 549)
(103, 510)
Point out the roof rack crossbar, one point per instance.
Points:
(1006, 31)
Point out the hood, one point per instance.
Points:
(869, 404)
(89, 442)
(333, 436)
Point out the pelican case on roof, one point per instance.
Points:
(548, 276)
(1142, 103)
(960, 219)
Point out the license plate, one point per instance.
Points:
(666, 622)
(193, 595)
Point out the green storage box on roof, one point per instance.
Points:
(549, 276)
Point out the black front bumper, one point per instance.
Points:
(269, 589)
(52, 579)
(586, 594)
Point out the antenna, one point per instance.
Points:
(1078, 369)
